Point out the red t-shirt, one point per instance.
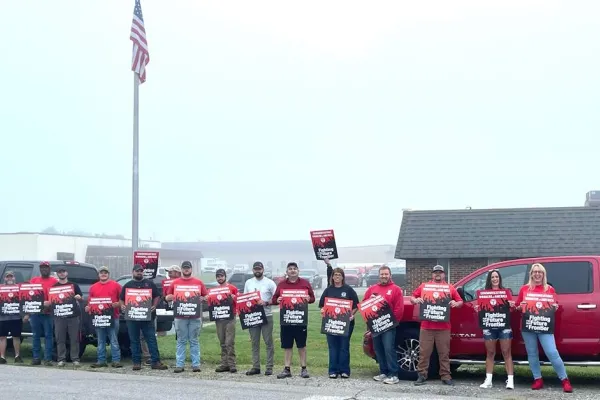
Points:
(189, 281)
(434, 324)
(538, 289)
(111, 289)
(47, 283)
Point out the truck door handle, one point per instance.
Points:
(586, 306)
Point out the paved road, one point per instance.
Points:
(49, 384)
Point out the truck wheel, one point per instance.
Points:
(407, 350)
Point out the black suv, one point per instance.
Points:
(237, 279)
(85, 275)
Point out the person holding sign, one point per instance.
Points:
(391, 301)
(339, 344)
(537, 302)
(266, 287)
(64, 298)
(42, 324)
(187, 294)
(493, 306)
(294, 333)
(10, 324)
(110, 290)
(435, 299)
(136, 295)
(226, 327)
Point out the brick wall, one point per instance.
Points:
(419, 270)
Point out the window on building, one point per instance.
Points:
(513, 277)
(570, 277)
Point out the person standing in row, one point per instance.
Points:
(10, 325)
(434, 333)
(226, 329)
(110, 289)
(267, 288)
(187, 328)
(146, 327)
(42, 324)
(385, 343)
(339, 346)
(291, 334)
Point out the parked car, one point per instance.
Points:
(353, 277)
(85, 275)
(398, 276)
(576, 280)
(311, 275)
(164, 315)
(372, 277)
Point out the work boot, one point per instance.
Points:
(222, 368)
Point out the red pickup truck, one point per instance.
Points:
(576, 280)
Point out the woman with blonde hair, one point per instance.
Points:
(538, 283)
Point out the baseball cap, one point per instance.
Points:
(9, 273)
(103, 268)
(173, 268)
(220, 271)
(292, 264)
(138, 267)
(258, 265)
(186, 264)
(61, 268)
(44, 264)
(438, 268)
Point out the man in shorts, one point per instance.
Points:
(10, 326)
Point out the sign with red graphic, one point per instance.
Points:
(63, 302)
(10, 302)
(148, 260)
(538, 312)
(32, 298)
(138, 304)
(494, 309)
(436, 302)
(101, 310)
(324, 244)
(336, 316)
(220, 304)
(294, 307)
(251, 313)
(186, 300)
(378, 315)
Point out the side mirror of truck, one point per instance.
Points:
(461, 292)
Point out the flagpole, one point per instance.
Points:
(136, 182)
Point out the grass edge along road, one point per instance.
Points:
(317, 353)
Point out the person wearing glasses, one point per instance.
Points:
(492, 336)
(538, 283)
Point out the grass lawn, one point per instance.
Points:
(317, 352)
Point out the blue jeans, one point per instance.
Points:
(112, 334)
(339, 353)
(147, 328)
(187, 330)
(385, 351)
(549, 345)
(42, 324)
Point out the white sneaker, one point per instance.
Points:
(60, 364)
(380, 378)
(486, 385)
(510, 385)
(391, 380)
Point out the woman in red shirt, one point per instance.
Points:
(492, 336)
(538, 283)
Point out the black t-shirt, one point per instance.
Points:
(77, 290)
(343, 292)
(143, 284)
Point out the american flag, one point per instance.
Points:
(140, 57)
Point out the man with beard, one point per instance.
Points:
(226, 329)
(42, 324)
(187, 328)
(435, 333)
(10, 325)
(146, 327)
(108, 289)
(174, 271)
(267, 288)
(385, 343)
(291, 334)
(64, 326)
